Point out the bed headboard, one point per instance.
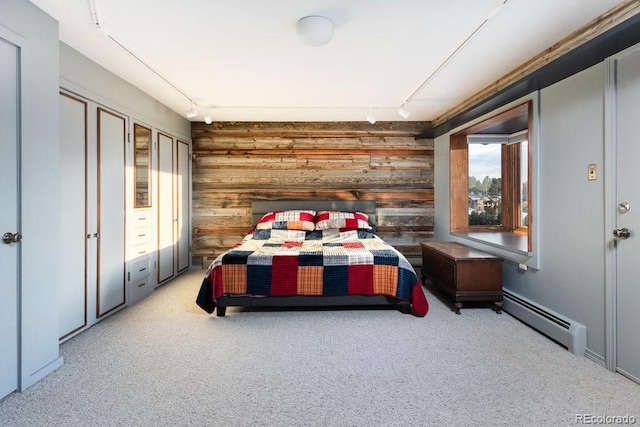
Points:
(367, 206)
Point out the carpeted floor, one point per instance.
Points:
(165, 362)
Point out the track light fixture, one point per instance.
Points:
(497, 6)
(403, 111)
(370, 117)
(495, 9)
(192, 112)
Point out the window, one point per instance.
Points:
(485, 184)
(490, 165)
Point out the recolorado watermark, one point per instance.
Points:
(603, 419)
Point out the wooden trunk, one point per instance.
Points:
(464, 273)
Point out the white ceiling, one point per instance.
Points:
(243, 60)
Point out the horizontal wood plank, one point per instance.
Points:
(235, 164)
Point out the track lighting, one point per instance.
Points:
(192, 112)
(403, 111)
(495, 9)
(370, 117)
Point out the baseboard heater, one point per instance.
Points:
(565, 331)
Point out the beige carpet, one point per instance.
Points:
(165, 362)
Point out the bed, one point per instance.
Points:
(318, 254)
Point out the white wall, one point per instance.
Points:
(571, 278)
(40, 207)
(84, 77)
(48, 65)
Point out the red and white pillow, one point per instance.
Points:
(288, 220)
(326, 220)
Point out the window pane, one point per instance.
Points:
(485, 184)
(524, 173)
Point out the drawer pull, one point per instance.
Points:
(141, 235)
(141, 285)
(142, 269)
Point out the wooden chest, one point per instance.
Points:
(464, 273)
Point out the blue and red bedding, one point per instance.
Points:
(322, 262)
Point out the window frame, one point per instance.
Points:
(503, 238)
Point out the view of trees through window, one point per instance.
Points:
(491, 200)
(485, 185)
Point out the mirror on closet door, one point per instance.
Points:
(142, 165)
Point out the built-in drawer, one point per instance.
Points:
(141, 218)
(140, 236)
(139, 289)
(140, 269)
(140, 250)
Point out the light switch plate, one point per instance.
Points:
(592, 173)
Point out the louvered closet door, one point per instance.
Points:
(111, 212)
(166, 207)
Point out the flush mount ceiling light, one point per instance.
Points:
(315, 30)
(403, 111)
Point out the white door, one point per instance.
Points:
(627, 127)
(9, 220)
(112, 130)
(166, 208)
(73, 177)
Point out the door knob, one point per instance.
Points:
(8, 238)
(622, 233)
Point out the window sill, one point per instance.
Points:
(504, 240)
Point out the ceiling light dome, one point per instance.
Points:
(315, 30)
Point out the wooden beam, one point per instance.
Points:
(620, 13)
(309, 129)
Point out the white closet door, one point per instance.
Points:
(111, 212)
(182, 202)
(73, 227)
(166, 207)
(9, 220)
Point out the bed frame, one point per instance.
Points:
(298, 301)
(366, 206)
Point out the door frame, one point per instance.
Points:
(610, 205)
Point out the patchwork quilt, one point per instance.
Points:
(274, 262)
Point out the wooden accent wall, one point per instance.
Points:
(236, 163)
